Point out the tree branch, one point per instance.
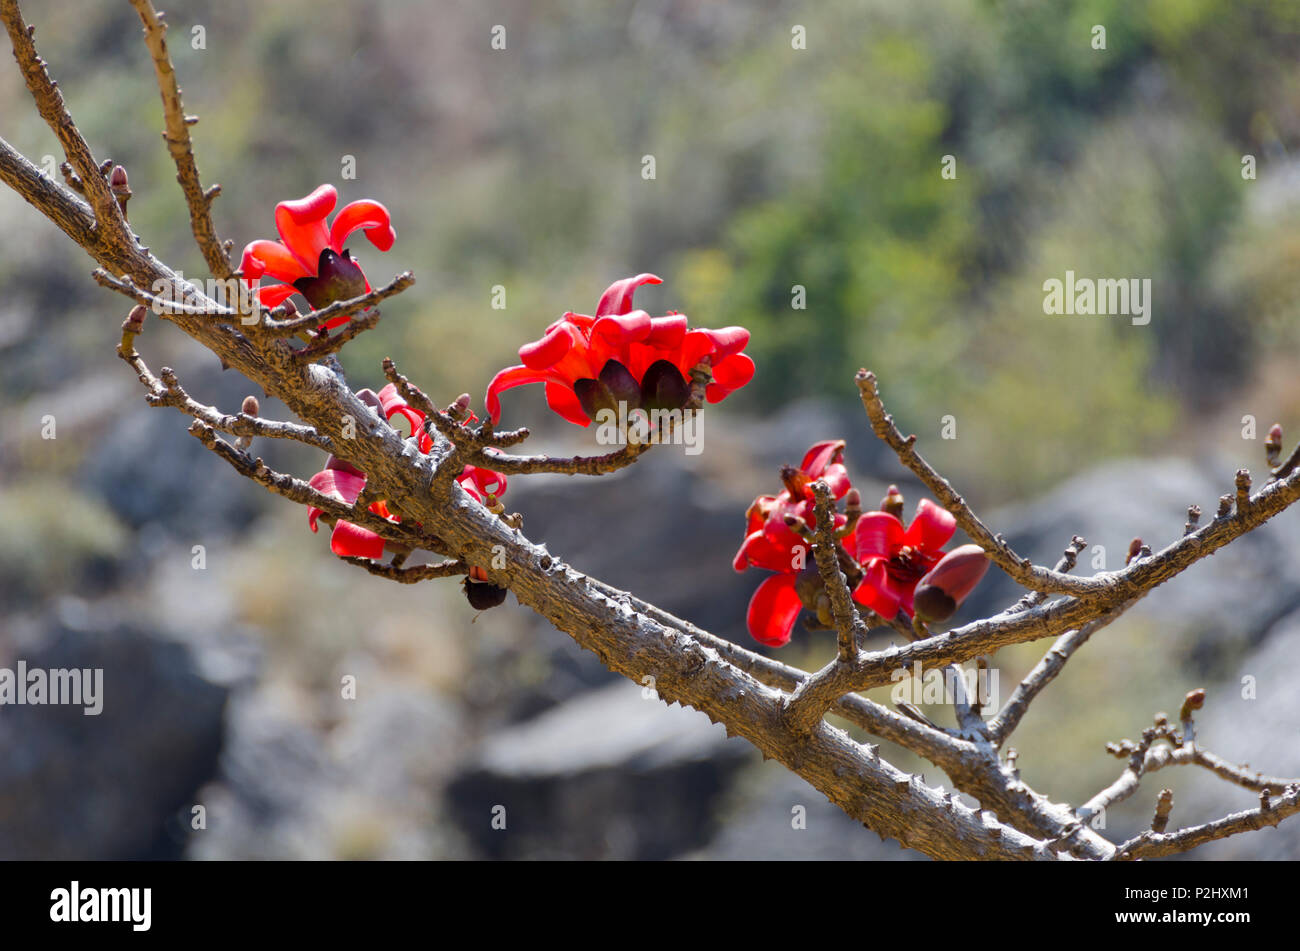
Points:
(1150, 844)
(177, 137)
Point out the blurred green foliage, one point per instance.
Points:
(776, 168)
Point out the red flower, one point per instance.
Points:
(896, 559)
(771, 544)
(621, 354)
(343, 481)
(310, 257)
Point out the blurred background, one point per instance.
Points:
(774, 167)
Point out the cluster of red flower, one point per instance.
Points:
(621, 355)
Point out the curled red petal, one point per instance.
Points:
(366, 214)
(761, 551)
(275, 294)
(879, 535)
(483, 481)
(623, 328)
(301, 224)
(617, 298)
(819, 456)
(773, 610)
(714, 345)
(931, 528)
(342, 484)
(354, 541)
(877, 591)
(315, 207)
(551, 349)
(734, 371)
(564, 401)
(836, 478)
(667, 332)
(273, 259)
(508, 379)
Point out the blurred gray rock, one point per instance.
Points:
(294, 786)
(609, 774)
(112, 786)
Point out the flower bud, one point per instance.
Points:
(1194, 700)
(940, 593)
(118, 185)
(459, 410)
(134, 322)
(482, 595)
(892, 503)
(1273, 444)
(251, 407)
(371, 399)
(852, 512)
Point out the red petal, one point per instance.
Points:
(836, 478)
(734, 371)
(393, 403)
(565, 402)
(667, 332)
(342, 484)
(551, 349)
(484, 481)
(273, 259)
(773, 610)
(339, 483)
(370, 215)
(820, 456)
(508, 379)
(301, 224)
(617, 298)
(714, 345)
(761, 551)
(275, 295)
(877, 591)
(624, 328)
(355, 541)
(879, 535)
(931, 527)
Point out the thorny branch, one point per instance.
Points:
(777, 708)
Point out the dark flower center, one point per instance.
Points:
(908, 565)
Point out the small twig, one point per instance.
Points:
(1127, 783)
(1069, 558)
(166, 390)
(1021, 570)
(324, 346)
(298, 491)
(49, 103)
(177, 137)
(1045, 671)
(1149, 844)
(314, 320)
(161, 307)
(395, 572)
(1164, 806)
